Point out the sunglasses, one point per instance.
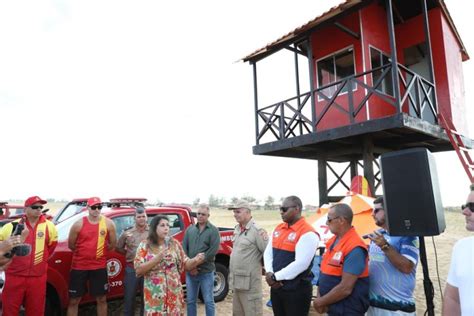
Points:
(331, 219)
(202, 214)
(376, 210)
(284, 209)
(96, 207)
(469, 205)
(37, 207)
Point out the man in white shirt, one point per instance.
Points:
(459, 292)
(288, 260)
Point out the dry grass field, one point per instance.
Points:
(455, 229)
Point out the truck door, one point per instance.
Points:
(116, 261)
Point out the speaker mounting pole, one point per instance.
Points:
(427, 284)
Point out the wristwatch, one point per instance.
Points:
(385, 247)
(273, 278)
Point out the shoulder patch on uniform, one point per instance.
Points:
(263, 233)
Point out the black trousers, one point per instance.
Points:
(292, 302)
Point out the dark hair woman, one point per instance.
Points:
(161, 260)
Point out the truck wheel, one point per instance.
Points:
(52, 306)
(221, 282)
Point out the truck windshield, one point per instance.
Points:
(17, 211)
(65, 226)
(69, 210)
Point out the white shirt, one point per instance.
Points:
(461, 273)
(304, 253)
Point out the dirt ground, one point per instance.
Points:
(438, 268)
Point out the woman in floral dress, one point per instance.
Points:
(161, 260)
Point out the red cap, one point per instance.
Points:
(34, 200)
(93, 201)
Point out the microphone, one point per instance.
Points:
(167, 241)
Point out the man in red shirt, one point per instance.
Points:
(25, 280)
(89, 239)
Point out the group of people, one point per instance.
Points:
(354, 279)
(26, 272)
(154, 261)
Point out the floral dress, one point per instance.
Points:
(162, 288)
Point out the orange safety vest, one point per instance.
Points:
(333, 259)
(286, 237)
(284, 240)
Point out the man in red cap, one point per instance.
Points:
(25, 281)
(89, 238)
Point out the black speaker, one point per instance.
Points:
(412, 198)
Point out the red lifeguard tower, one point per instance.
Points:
(383, 76)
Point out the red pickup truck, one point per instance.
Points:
(122, 214)
(9, 210)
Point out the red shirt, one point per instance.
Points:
(91, 246)
(42, 238)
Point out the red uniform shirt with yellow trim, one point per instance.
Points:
(91, 246)
(42, 238)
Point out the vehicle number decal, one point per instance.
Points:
(115, 283)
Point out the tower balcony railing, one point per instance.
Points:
(295, 116)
